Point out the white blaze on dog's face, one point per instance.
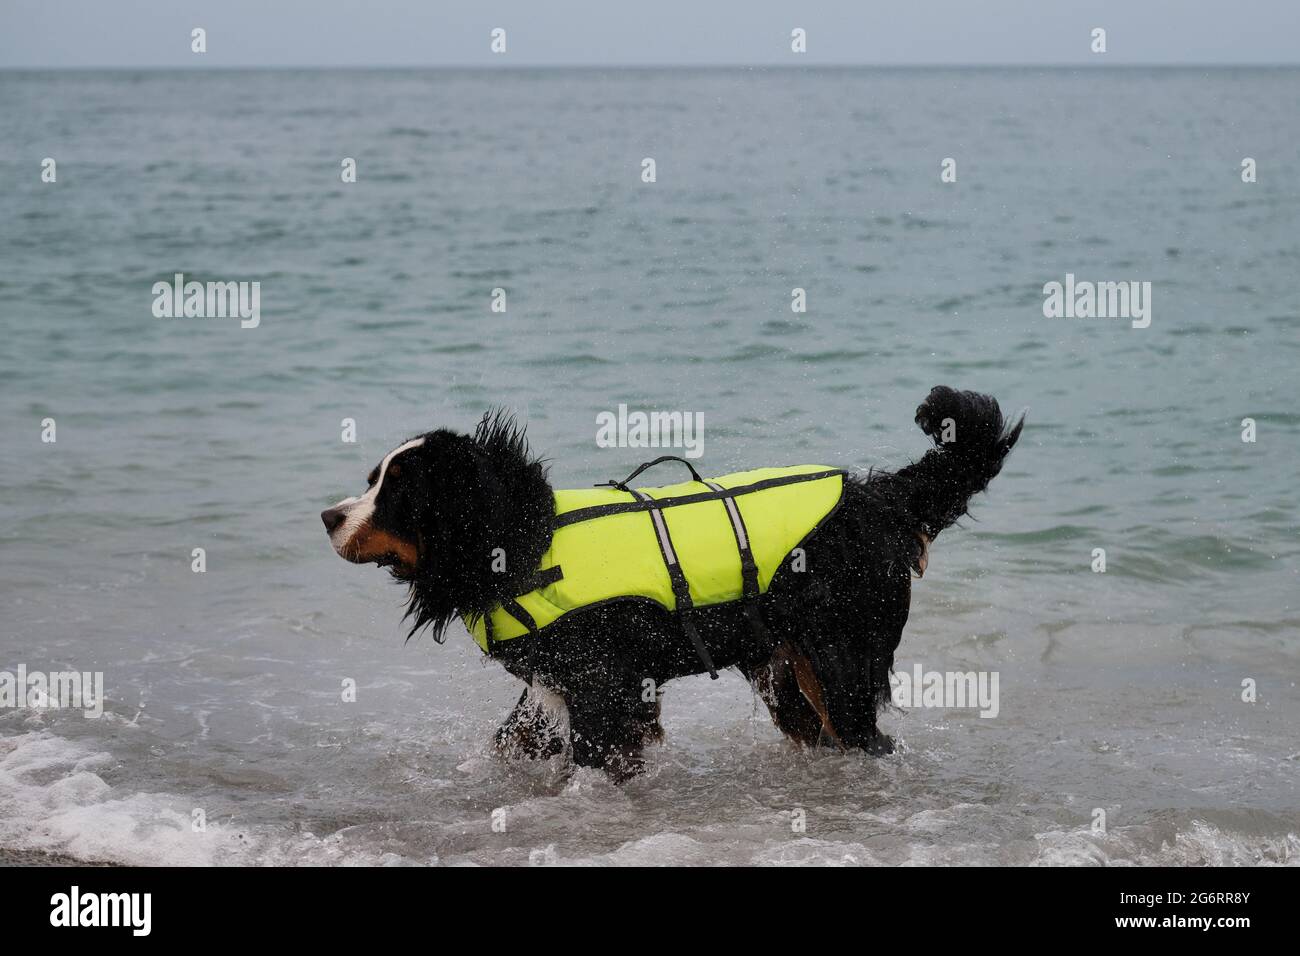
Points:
(355, 525)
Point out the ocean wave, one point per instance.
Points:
(56, 803)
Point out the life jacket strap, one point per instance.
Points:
(516, 610)
(542, 579)
(681, 590)
(750, 590)
(688, 628)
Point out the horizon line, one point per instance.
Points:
(228, 67)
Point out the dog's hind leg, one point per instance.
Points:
(793, 696)
(537, 728)
(852, 674)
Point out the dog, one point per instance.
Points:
(440, 507)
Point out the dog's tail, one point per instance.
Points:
(971, 441)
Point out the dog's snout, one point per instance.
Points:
(333, 517)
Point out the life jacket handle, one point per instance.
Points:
(622, 485)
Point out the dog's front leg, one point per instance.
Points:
(536, 729)
(609, 730)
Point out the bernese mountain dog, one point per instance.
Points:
(439, 504)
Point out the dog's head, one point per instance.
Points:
(384, 525)
(461, 518)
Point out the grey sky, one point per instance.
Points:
(286, 33)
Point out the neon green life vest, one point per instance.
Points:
(693, 544)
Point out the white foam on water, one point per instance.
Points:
(56, 797)
(53, 800)
(1198, 844)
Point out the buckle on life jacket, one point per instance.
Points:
(540, 579)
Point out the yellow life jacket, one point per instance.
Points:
(693, 544)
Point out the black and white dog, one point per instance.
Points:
(439, 504)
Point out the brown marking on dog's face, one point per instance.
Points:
(384, 548)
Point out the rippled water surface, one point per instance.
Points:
(1120, 691)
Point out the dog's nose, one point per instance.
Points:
(333, 517)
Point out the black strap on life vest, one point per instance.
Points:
(540, 579)
(681, 590)
(750, 591)
(516, 610)
(543, 578)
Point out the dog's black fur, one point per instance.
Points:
(823, 669)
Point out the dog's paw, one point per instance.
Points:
(880, 745)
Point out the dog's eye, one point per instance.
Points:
(374, 476)
(394, 471)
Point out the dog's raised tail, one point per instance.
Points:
(971, 441)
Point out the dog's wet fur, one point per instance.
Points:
(440, 505)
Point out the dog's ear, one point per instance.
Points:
(443, 493)
(483, 492)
